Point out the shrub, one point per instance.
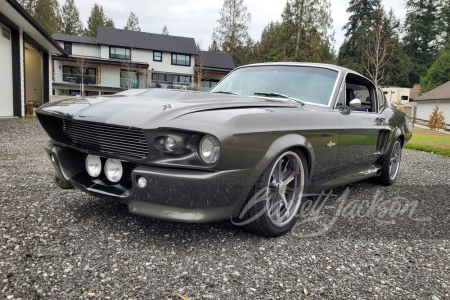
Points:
(437, 119)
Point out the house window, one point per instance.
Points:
(157, 56)
(158, 78)
(119, 53)
(129, 79)
(68, 48)
(170, 79)
(206, 85)
(181, 59)
(181, 79)
(5, 33)
(72, 74)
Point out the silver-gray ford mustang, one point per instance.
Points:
(250, 149)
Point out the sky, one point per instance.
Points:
(197, 18)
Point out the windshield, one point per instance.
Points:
(309, 84)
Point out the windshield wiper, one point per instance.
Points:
(271, 94)
(226, 92)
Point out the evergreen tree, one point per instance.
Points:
(47, 14)
(302, 35)
(362, 11)
(28, 5)
(401, 67)
(109, 23)
(214, 47)
(97, 18)
(165, 31)
(71, 19)
(132, 23)
(437, 74)
(271, 39)
(232, 33)
(445, 19)
(358, 29)
(422, 28)
(307, 23)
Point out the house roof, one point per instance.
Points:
(17, 17)
(214, 61)
(144, 40)
(74, 38)
(440, 93)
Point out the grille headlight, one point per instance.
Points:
(209, 149)
(93, 165)
(113, 170)
(170, 144)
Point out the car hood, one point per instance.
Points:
(150, 108)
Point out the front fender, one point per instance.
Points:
(283, 143)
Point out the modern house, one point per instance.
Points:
(211, 67)
(25, 61)
(121, 59)
(426, 103)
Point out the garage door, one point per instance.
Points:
(6, 81)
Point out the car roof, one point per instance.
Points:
(307, 64)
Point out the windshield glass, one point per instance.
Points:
(309, 84)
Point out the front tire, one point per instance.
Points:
(273, 204)
(390, 165)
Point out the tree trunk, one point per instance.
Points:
(299, 29)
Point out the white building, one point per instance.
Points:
(25, 61)
(397, 94)
(426, 103)
(121, 59)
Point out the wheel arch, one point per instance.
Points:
(398, 134)
(285, 143)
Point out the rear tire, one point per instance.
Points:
(273, 204)
(390, 165)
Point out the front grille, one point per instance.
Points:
(105, 138)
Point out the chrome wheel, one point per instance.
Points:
(285, 189)
(394, 162)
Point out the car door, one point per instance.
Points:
(364, 131)
(323, 131)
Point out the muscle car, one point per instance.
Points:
(250, 149)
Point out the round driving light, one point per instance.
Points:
(170, 144)
(93, 165)
(209, 149)
(142, 182)
(113, 169)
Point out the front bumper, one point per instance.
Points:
(171, 193)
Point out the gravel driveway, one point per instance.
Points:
(57, 244)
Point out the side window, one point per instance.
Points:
(362, 90)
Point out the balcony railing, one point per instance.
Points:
(91, 81)
(122, 82)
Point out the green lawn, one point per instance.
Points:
(430, 141)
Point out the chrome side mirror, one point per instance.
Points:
(355, 103)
